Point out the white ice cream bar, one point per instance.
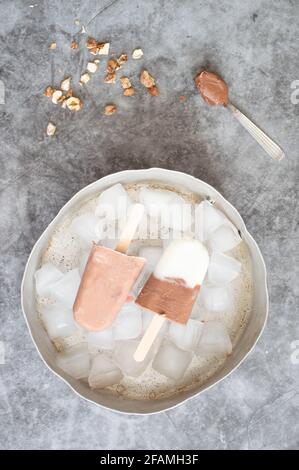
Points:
(186, 260)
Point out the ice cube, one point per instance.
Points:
(186, 337)
(168, 206)
(84, 228)
(113, 203)
(44, 277)
(74, 361)
(128, 323)
(152, 254)
(65, 289)
(216, 298)
(214, 339)
(223, 269)
(58, 321)
(83, 260)
(123, 356)
(171, 361)
(101, 339)
(103, 372)
(207, 219)
(225, 238)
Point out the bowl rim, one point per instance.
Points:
(144, 173)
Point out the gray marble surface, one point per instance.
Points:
(254, 45)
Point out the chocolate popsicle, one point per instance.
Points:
(108, 277)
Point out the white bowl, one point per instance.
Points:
(245, 344)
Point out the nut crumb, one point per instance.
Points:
(91, 43)
(56, 96)
(74, 45)
(49, 91)
(92, 67)
(110, 78)
(53, 46)
(146, 79)
(123, 58)
(112, 65)
(69, 93)
(110, 109)
(153, 90)
(85, 77)
(97, 61)
(129, 91)
(65, 85)
(125, 82)
(137, 54)
(74, 104)
(51, 129)
(95, 47)
(104, 48)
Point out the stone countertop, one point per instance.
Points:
(252, 44)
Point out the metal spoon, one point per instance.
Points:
(268, 145)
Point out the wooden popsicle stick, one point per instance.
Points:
(149, 337)
(128, 232)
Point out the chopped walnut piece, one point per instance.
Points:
(129, 91)
(146, 79)
(92, 67)
(123, 58)
(56, 95)
(53, 46)
(125, 82)
(137, 54)
(69, 93)
(49, 91)
(153, 90)
(104, 48)
(85, 77)
(65, 85)
(112, 65)
(74, 45)
(110, 78)
(91, 43)
(110, 109)
(51, 129)
(74, 104)
(93, 50)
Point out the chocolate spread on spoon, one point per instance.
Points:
(212, 88)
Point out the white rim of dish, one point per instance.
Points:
(144, 172)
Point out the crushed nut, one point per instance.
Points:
(53, 46)
(84, 78)
(123, 58)
(104, 48)
(69, 93)
(91, 43)
(95, 47)
(74, 104)
(110, 109)
(137, 54)
(51, 129)
(97, 61)
(61, 99)
(112, 65)
(153, 90)
(92, 67)
(49, 91)
(63, 104)
(74, 45)
(56, 95)
(110, 78)
(125, 82)
(65, 84)
(146, 79)
(129, 91)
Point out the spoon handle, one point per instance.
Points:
(268, 145)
